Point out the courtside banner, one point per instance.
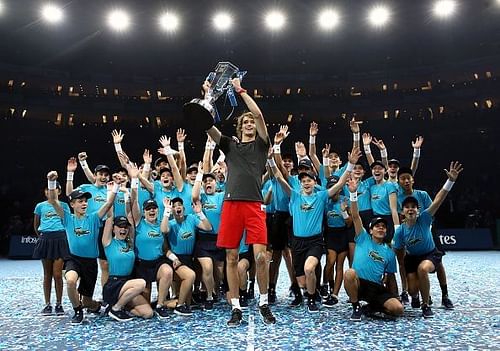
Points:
(22, 246)
(466, 239)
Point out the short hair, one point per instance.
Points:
(239, 123)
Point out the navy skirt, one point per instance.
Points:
(51, 246)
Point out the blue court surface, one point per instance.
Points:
(474, 280)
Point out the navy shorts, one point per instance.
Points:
(337, 239)
(375, 294)
(412, 262)
(86, 268)
(112, 288)
(206, 246)
(302, 248)
(148, 269)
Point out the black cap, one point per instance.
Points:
(149, 204)
(121, 221)
(77, 193)
(308, 174)
(405, 170)
(409, 200)
(394, 161)
(331, 181)
(191, 169)
(177, 199)
(164, 169)
(208, 175)
(160, 159)
(100, 168)
(376, 220)
(377, 163)
(305, 163)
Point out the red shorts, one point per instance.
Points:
(237, 216)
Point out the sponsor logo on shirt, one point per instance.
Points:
(376, 197)
(153, 234)
(80, 231)
(186, 235)
(121, 201)
(374, 255)
(306, 207)
(413, 242)
(99, 198)
(125, 249)
(332, 214)
(51, 214)
(209, 206)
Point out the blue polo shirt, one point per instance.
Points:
(82, 234)
(120, 257)
(148, 240)
(49, 219)
(307, 212)
(182, 236)
(417, 239)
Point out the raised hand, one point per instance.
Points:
(133, 171)
(117, 178)
(281, 135)
(165, 141)
(344, 205)
(167, 204)
(313, 129)
(379, 143)
(455, 169)
(417, 144)
(236, 82)
(200, 167)
(352, 184)
(197, 207)
(367, 139)
(354, 155)
(206, 86)
(300, 149)
(72, 165)
(355, 125)
(181, 135)
(326, 151)
(117, 136)
(82, 156)
(52, 175)
(123, 157)
(147, 157)
(110, 185)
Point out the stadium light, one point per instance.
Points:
(275, 20)
(379, 16)
(169, 22)
(222, 21)
(328, 19)
(118, 20)
(52, 14)
(444, 8)
(2, 8)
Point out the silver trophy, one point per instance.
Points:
(203, 112)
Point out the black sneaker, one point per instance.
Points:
(236, 317)
(271, 296)
(415, 302)
(59, 310)
(446, 302)
(324, 291)
(183, 310)
(267, 315)
(120, 315)
(312, 307)
(197, 298)
(162, 312)
(357, 312)
(209, 305)
(97, 310)
(47, 310)
(297, 301)
(331, 301)
(243, 301)
(405, 300)
(78, 316)
(427, 311)
(251, 290)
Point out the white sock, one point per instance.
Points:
(263, 300)
(235, 303)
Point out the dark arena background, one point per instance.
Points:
(73, 71)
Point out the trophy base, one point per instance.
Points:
(200, 113)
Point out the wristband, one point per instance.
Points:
(172, 257)
(326, 161)
(115, 189)
(277, 148)
(51, 184)
(241, 91)
(353, 197)
(84, 164)
(212, 145)
(383, 153)
(118, 147)
(147, 167)
(69, 176)
(271, 162)
(367, 148)
(349, 167)
(207, 145)
(199, 177)
(355, 136)
(167, 212)
(396, 226)
(126, 197)
(221, 158)
(344, 214)
(201, 216)
(169, 151)
(312, 139)
(134, 183)
(180, 145)
(416, 152)
(448, 185)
